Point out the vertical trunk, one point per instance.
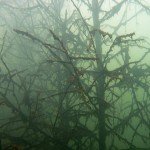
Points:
(101, 80)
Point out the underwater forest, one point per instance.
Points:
(74, 74)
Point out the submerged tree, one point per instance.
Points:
(81, 88)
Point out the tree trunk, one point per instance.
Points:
(100, 89)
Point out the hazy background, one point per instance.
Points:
(13, 14)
